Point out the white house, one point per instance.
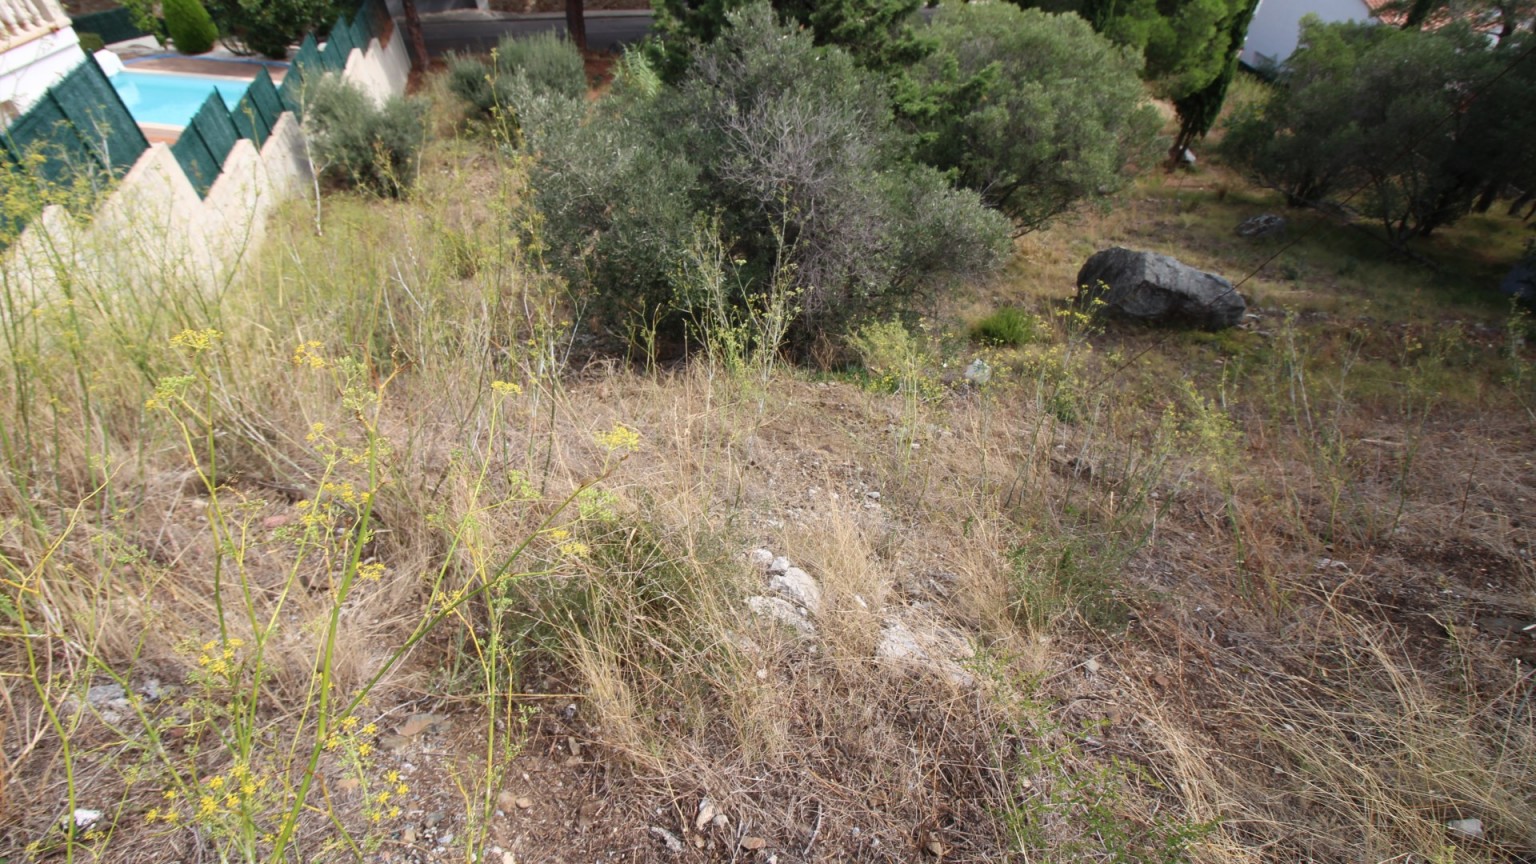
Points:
(1273, 32)
(37, 48)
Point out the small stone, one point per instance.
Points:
(674, 845)
(506, 800)
(1264, 225)
(523, 803)
(1091, 665)
(418, 724)
(778, 565)
(103, 693)
(698, 842)
(797, 586)
(721, 822)
(760, 558)
(782, 611)
(86, 818)
(706, 815)
(508, 858)
(935, 847)
(752, 844)
(978, 373)
(408, 836)
(1468, 827)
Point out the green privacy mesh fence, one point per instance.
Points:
(81, 125)
(113, 25)
(78, 136)
(205, 143)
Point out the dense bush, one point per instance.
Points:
(192, 30)
(357, 144)
(791, 147)
(269, 27)
(536, 65)
(549, 62)
(1059, 119)
(618, 203)
(1422, 123)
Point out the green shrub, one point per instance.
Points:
(550, 63)
(269, 27)
(356, 144)
(1057, 114)
(806, 166)
(192, 30)
(477, 83)
(1010, 327)
(788, 148)
(90, 43)
(618, 205)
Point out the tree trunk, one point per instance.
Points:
(1418, 12)
(576, 24)
(414, 39)
(1524, 199)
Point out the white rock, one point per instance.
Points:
(931, 649)
(706, 815)
(104, 693)
(778, 565)
(760, 558)
(674, 845)
(797, 586)
(783, 611)
(86, 818)
(1469, 827)
(1091, 665)
(978, 373)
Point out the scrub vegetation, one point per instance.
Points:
(439, 533)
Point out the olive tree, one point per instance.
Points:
(1403, 121)
(1062, 119)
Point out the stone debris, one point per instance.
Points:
(1467, 827)
(932, 649)
(84, 818)
(674, 845)
(797, 586)
(706, 815)
(782, 611)
(1263, 225)
(978, 373)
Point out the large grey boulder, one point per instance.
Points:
(1156, 288)
(1520, 281)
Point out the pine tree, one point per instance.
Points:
(1198, 110)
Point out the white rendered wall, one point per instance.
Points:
(27, 71)
(1273, 33)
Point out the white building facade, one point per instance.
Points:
(37, 48)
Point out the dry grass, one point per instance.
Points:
(1251, 596)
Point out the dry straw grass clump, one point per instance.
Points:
(1251, 596)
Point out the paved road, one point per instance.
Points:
(469, 30)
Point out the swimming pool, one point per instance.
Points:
(170, 99)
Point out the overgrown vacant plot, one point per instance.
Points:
(384, 553)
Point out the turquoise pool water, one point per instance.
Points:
(171, 100)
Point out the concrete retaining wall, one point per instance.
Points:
(154, 228)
